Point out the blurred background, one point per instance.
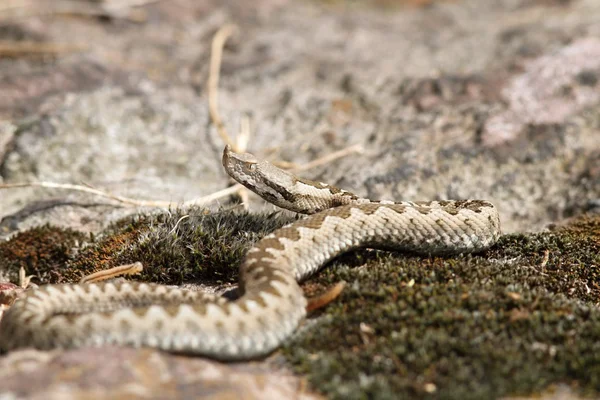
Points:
(448, 99)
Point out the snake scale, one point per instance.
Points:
(272, 304)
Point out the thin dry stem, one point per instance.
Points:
(243, 137)
(326, 159)
(21, 48)
(24, 279)
(357, 148)
(87, 189)
(129, 269)
(216, 54)
(244, 197)
(285, 164)
(241, 141)
(322, 300)
(125, 200)
(545, 259)
(213, 196)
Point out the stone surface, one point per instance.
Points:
(122, 373)
(455, 100)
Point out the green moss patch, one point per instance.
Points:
(510, 321)
(181, 246)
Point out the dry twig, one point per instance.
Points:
(129, 269)
(24, 279)
(545, 259)
(242, 140)
(213, 81)
(125, 200)
(23, 48)
(322, 300)
(87, 189)
(357, 148)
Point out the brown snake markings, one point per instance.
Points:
(272, 304)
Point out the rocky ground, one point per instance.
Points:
(463, 99)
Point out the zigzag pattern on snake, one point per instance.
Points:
(272, 304)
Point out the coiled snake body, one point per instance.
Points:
(272, 304)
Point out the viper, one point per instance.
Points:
(272, 304)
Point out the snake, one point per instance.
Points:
(271, 305)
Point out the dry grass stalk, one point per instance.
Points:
(128, 269)
(23, 48)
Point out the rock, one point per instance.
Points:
(138, 374)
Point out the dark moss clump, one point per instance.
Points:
(180, 246)
(586, 227)
(43, 251)
(511, 321)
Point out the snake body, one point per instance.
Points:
(272, 304)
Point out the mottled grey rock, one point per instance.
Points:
(493, 112)
(114, 372)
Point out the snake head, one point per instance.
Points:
(262, 177)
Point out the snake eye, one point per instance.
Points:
(251, 166)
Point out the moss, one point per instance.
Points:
(512, 321)
(181, 245)
(175, 247)
(42, 251)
